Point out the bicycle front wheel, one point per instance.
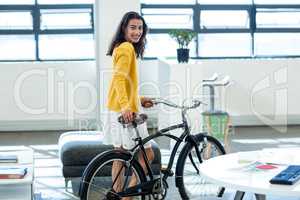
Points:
(109, 175)
(190, 183)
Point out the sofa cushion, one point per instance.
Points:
(78, 148)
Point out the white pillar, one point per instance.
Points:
(108, 14)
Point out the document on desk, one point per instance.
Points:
(254, 167)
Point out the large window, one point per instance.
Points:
(226, 29)
(42, 30)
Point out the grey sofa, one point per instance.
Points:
(78, 148)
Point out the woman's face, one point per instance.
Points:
(134, 30)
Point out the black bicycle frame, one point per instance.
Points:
(160, 133)
(146, 188)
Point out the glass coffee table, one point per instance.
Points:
(18, 189)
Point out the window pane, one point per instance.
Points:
(277, 44)
(155, 42)
(79, 46)
(66, 1)
(16, 20)
(224, 44)
(15, 2)
(225, 2)
(276, 2)
(285, 18)
(65, 19)
(17, 47)
(169, 18)
(168, 1)
(224, 19)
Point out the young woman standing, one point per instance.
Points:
(126, 47)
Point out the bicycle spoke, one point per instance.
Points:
(104, 180)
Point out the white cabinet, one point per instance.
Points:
(18, 189)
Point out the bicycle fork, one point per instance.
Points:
(192, 140)
(194, 143)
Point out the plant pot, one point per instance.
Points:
(183, 55)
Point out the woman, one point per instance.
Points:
(127, 45)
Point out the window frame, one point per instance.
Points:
(36, 30)
(250, 8)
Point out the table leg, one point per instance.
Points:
(221, 192)
(260, 197)
(32, 192)
(239, 195)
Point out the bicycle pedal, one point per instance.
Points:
(112, 195)
(167, 171)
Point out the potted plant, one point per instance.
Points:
(183, 38)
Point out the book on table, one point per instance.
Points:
(8, 158)
(12, 172)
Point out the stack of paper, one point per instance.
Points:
(12, 172)
(8, 158)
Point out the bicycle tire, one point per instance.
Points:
(93, 187)
(184, 170)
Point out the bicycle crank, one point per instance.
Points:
(159, 191)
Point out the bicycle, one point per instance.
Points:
(97, 181)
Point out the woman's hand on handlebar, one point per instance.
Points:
(146, 102)
(128, 115)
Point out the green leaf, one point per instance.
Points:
(182, 36)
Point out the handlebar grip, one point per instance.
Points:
(154, 101)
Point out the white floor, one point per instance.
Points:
(49, 183)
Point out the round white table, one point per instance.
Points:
(236, 171)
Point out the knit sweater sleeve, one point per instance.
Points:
(123, 59)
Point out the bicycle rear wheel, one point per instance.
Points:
(190, 183)
(102, 183)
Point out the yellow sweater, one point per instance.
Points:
(123, 89)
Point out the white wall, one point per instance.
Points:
(263, 91)
(41, 96)
(148, 78)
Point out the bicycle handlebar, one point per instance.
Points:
(196, 103)
(141, 118)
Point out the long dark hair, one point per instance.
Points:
(119, 36)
